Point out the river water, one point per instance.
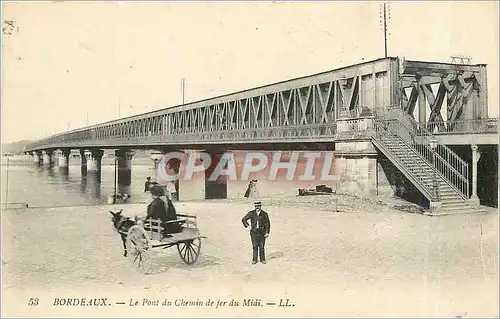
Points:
(41, 186)
(22, 181)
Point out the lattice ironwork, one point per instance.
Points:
(304, 103)
(283, 114)
(427, 86)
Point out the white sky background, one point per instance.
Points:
(68, 59)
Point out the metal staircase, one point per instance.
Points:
(439, 174)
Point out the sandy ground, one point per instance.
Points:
(366, 260)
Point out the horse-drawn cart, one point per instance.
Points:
(144, 236)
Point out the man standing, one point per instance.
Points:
(259, 231)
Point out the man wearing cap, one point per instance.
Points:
(259, 231)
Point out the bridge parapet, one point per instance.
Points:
(313, 132)
(489, 125)
(355, 128)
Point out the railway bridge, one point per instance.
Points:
(419, 128)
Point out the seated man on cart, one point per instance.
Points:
(165, 212)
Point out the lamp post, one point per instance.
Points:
(183, 88)
(344, 111)
(343, 81)
(433, 144)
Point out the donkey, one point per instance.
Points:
(122, 225)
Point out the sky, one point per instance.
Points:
(66, 64)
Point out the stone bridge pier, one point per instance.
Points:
(355, 156)
(124, 170)
(94, 160)
(63, 161)
(37, 157)
(83, 163)
(48, 158)
(64, 158)
(94, 164)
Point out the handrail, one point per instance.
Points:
(417, 129)
(425, 154)
(422, 130)
(391, 128)
(446, 162)
(429, 150)
(380, 127)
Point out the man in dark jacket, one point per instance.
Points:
(157, 209)
(259, 231)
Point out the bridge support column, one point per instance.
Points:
(83, 162)
(476, 155)
(64, 158)
(37, 157)
(93, 184)
(355, 156)
(124, 167)
(215, 189)
(47, 158)
(94, 161)
(63, 162)
(358, 173)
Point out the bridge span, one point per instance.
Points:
(382, 119)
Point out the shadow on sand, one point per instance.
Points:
(275, 255)
(161, 263)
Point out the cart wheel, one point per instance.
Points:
(139, 248)
(189, 250)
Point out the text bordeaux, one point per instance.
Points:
(81, 302)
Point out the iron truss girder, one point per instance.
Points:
(289, 113)
(455, 84)
(304, 103)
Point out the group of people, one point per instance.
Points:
(257, 219)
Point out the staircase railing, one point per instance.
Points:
(443, 159)
(391, 129)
